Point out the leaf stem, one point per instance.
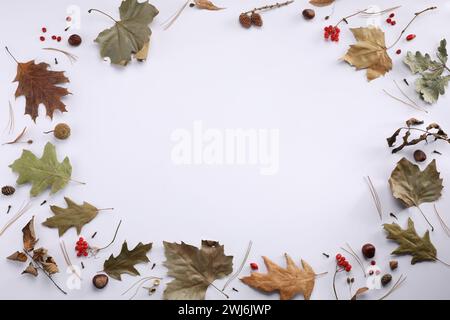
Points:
(270, 7)
(423, 214)
(76, 181)
(90, 10)
(409, 23)
(9, 52)
(105, 209)
(114, 238)
(445, 263)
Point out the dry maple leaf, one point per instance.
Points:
(206, 4)
(369, 52)
(39, 85)
(288, 282)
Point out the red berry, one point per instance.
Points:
(78, 254)
(337, 29)
(44, 29)
(85, 253)
(373, 262)
(338, 256)
(388, 20)
(393, 23)
(68, 19)
(398, 51)
(53, 37)
(42, 38)
(348, 268)
(81, 239)
(391, 15)
(58, 39)
(409, 37)
(254, 266)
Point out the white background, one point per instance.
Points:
(332, 123)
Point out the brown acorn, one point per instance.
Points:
(8, 190)
(100, 281)
(74, 40)
(420, 156)
(368, 250)
(256, 19)
(245, 20)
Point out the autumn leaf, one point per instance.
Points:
(288, 282)
(30, 270)
(432, 85)
(321, 3)
(130, 35)
(29, 236)
(206, 4)
(44, 172)
(420, 248)
(194, 269)
(359, 292)
(18, 256)
(40, 85)
(47, 262)
(412, 186)
(126, 260)
(369, 52)
(73, 216)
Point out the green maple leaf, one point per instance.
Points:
(194, 269)
(431, 85)
(44, 172)
(420, 248)
(73, 216)
(130, 35)
(125, 261)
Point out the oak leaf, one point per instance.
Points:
(126, 260)
(44, 172)
(369, 52)
(73, 216)
(29, 236)
(129, 36)
(206, 4)
(288, 282)
(40, 85)
(18, 256)
(321, 3)
(194, 269)
(420, 248)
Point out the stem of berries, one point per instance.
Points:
(341, 265)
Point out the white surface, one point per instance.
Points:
(332, 123)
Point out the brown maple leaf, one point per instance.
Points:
(288, 282)
(39, 85)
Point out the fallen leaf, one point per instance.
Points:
(418, 62)
(369, 52)
(18, 256)
(130, 35)
(321, 3)
(421, 249)
(29, 236)
(39, 85)
(44, 172)
(288, 282)
(126, 260)
(412, 186)
(359, 292)
(432, 85)
(74, 215)
(39, 255)
(30, 270)
(206, 4)
(50, 265)
(194, 269)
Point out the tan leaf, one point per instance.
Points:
(206, 4)
(31, 270)
(50, 265)
(18, 256)
(39, 255)
(359, 292)
(288, 282)
(29, 236)
(369, 52)
(321, 3)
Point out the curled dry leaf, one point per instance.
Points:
(359, 292)
(321, 3)
(288, 282)
(18, 256)
(29, 236)
(30, 270)
(206, 4)
(50, 265)
(369, 52)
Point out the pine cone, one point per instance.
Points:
(386, 279)
(256, 19)
(245, 20)
(8, 190)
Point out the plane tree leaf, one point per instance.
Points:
(42, 173)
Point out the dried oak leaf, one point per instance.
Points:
(288, 282)
(130, 35)
(74, 215)
(421, 249)
(206, 4)
(40, 85)
(194, 269)
(125, 261)
(44, 172)
(18, 256)
(321, 3)
(31, 270)
(29, 236)
(412, 186)
(369, 52)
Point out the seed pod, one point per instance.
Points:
(368, 250)
(62, 131)
(74, 40)
(8, 190)
(256, 19)
(308, 14)
(100, 281)
(420, 156)
(386, 279)
(245, 20)
(393, 264)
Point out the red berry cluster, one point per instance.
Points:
(254, 266)
(343, 263)
(82, 247)
(332, 33)
(390, 20)
(42, 38)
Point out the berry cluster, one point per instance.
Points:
(390, 20)
(343, 263)
(42, 38)
(82, 247)
(332, 33)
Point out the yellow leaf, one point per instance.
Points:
(369, 52)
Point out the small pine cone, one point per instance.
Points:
(8, 190)
(386, 279)
(256, 19)
(245, 20)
